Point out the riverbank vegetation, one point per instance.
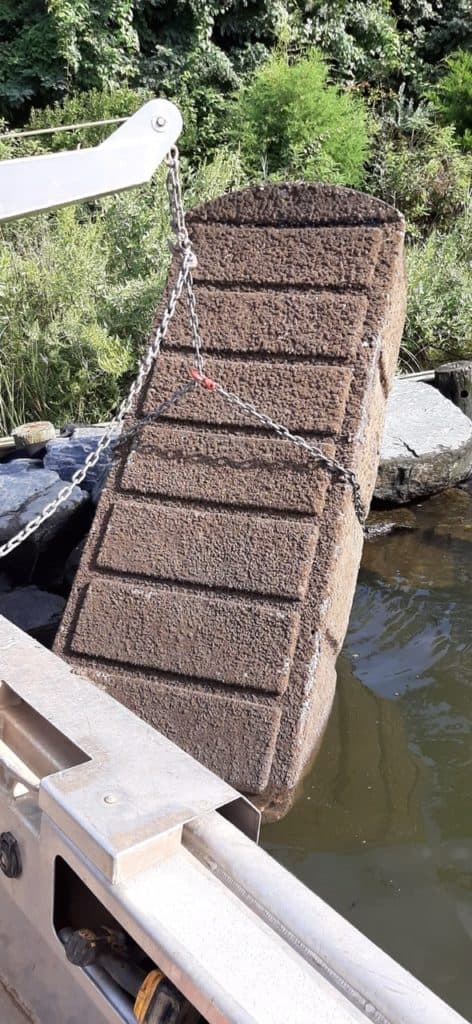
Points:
(376, 95)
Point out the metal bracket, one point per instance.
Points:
(128, 157)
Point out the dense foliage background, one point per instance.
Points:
(374, 94)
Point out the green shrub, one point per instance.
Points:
(420, 169)
(439, 315)
(211, 179)
(291, 123)
(93, 105)
(454, 96)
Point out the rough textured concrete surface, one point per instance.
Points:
(427, 444)
(215, 588)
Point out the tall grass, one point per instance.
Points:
(439, 314)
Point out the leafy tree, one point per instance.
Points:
(51, 47)
(361, 37)
(31, 68)
(385, 42)
(96, 41)
(449, 28)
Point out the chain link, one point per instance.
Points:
(184, 281)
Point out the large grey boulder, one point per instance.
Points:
(67, 454)
(25, 488)
(426, 447)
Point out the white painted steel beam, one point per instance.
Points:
(125, 159)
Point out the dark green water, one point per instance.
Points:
(382, 828)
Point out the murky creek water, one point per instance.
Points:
(382, 827)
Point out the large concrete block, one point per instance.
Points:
(216, 584)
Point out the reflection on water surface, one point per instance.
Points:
(382, 828)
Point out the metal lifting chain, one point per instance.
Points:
(183, 281)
